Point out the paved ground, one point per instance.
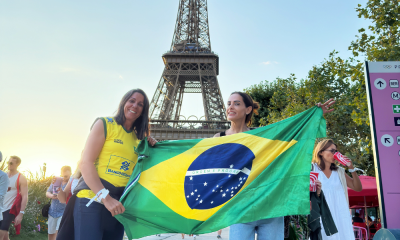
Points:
(175, 236)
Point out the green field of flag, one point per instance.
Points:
(203, 185)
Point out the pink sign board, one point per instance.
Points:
(383, 89)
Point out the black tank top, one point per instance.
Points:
(221, 134)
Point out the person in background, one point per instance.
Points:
(378, 224)
(65, 193)
(334, 185)
(57, 208)
(371, 226)
(4, 182)
(190, 235)
(219, 233)
(17, 182)
(357, 218)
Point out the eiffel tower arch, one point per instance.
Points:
(190, 66)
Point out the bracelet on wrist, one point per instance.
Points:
(23, 212)
(102, 194)
(356, 169)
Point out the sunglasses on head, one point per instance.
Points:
(333, 151)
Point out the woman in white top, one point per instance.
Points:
(334, 185)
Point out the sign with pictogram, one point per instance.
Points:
(387, 140)
(394, 83)
(396, 108)
(382, 79)
(395, 95)
(397, 121)
(380, 83)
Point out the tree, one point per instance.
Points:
(341, 79)
(382, 42)
(263, 93)
(331, 79)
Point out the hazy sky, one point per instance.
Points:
(64, 63)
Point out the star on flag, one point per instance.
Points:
(206, 186)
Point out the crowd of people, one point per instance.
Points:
(372, 225)
(84, 205)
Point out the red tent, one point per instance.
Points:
(368, 196)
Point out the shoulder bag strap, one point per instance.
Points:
(18, 183)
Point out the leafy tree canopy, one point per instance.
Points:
(341, 79)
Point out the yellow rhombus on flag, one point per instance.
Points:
(203, 185)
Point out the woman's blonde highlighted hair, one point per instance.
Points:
(77, 174)
(318, 159)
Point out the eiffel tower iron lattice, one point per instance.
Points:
(190, 67)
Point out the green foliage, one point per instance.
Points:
(299, 226)
(38, 184)
(263, 94)
(341, 79)
(3, 165)
(381, 43)
(331, 79)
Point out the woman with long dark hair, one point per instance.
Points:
(334, 185)
(107, 162)
(239, 110)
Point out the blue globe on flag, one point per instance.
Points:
(209, 184)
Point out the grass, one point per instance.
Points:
(22, 236)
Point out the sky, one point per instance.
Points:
(65, 63)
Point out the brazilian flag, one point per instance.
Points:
(203, 185)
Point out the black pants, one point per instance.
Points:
(95, 222)
(7, 219)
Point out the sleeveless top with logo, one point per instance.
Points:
(117, 157)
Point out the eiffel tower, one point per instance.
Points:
(190, 67)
